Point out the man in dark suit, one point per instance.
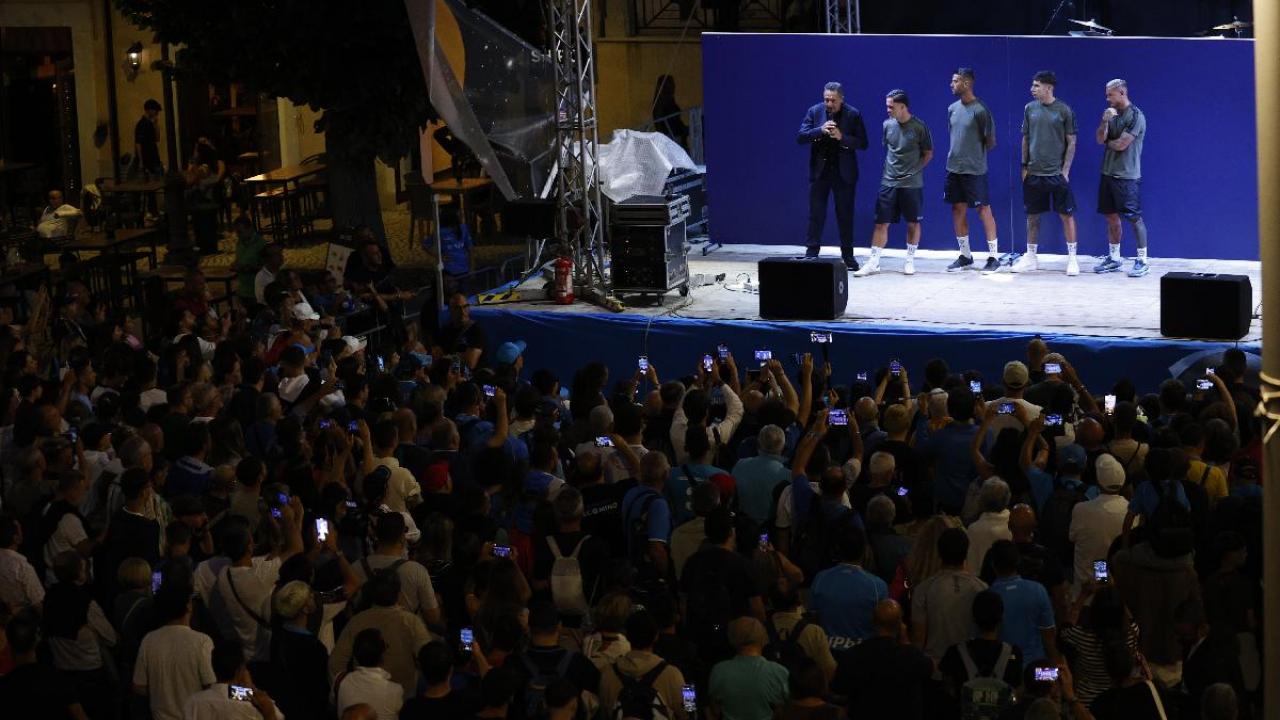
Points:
(833, 130)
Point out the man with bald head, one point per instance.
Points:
(1035, 561)
(884, 675)
(360, 711)
(868, 417)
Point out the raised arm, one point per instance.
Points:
(975, 448)
(789, 396)
(806, 390)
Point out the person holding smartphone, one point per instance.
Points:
(233, 696)
(1016, 378)
(834, 132)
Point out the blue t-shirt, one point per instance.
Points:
(756, 478)
(1027, 611)
(474, 437)
(844, 597)
(455, 247)
(1146, 498)
(679, 490)
(659, 524)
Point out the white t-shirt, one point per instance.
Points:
(174, 662)
(215, 703)
(260, 282)
(1095, 524)
(416, 592)
(19, 584)
(252, 592)
(69, 533)
(154, 396)
(401, 486)
(983, 533)
(372, 686)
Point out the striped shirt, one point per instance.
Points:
(1089, 666)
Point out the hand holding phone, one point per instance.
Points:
(764, 541)
(489, 390)
(465, 638)
(723, 351)
(837, 418)
(1101, 571)
(1109, 404)
(502, 551)
(895, 368)
(322, 529)
(689, 697)
(1005, 408)
(1053, 420)
(975, 387)
(604, 441)
(1204, 384)
(643, 364)
(707, 363)
(1051, 368)
(240, 692)
(1047, 674)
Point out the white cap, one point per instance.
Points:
(304, 311)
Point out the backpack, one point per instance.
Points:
(535, 688)
(638, 700)
(361, 602)
(638, 528)
(786, 651)
(985, 697)
(1055, 517)
(566, 579)
(1169, 528)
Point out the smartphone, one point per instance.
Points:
(895, 367)
(1052, 368)
(707, 363)
(489, 390)
(603, 441)
(723, 351)
(382, 363)
(764, 356)
(862, 376)
(353, 427)
(1053, 420)
(689, 696)
(821, 338)
(1109, 404)
(465, 638)
(643, 363)
(352, 504)
(502, 551)
(837, 418)
(1209, 371)
(275, 513)
(282, 498)
(1101, 572)
(975, 387)
(1006, 408)
(764, 541)
(1047, 674)
(157, 579)
(322, 529)
(797, 359)
(239, 692)
(902, 492)
(1203, 384)
(326, 424)
(72, 434)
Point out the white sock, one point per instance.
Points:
(911, 251)
(1115, 252)
(1031, 248)
(993, 247)
(1142, 254)
(875, 254)
(1071, 250)
(963, 242)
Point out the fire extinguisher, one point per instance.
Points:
(564, 280)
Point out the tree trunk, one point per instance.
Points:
(353, 186)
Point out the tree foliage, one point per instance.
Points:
(355, 61)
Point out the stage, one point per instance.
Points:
(1108, 325)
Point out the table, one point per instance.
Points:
(285, 185)
(144, 188)
(99, 242)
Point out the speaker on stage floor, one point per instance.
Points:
(1207, 306)
(803, 288)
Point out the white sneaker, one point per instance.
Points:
(909, 268)
(871, 267)
(1073, 267)
(1026, 263)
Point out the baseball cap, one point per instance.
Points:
(355, 344)
(304, 311)
(509, 351)
(1110, 473)
(1015, 374)
(725, 483)
(1072, 455)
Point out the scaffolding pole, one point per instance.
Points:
(844, 16)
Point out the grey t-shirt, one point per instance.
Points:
(904, 148)
(1046, 128)
(1126, 165)
(970, 126)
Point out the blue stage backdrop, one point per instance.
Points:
(1199, 171)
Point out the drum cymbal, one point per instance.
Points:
(1091, 25)
(1234, 25)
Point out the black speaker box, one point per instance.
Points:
(1205, 305)
(803, 288)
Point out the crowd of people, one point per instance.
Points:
(253, 515)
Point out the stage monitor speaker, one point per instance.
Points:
(1206, 306)
(803, 288)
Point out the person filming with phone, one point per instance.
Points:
(234, 696)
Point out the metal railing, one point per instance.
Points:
(669, 17)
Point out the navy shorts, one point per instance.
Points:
(899, 203)
(968, 189)
(1117, 196)
(1041, 194)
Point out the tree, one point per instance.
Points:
(356, 62)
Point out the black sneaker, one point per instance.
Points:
(993, 265)
(964, 262)
(811, 252)
(851, 264)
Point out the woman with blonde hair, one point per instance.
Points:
(924, 561)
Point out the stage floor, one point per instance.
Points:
(1045, 301)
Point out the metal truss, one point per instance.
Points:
(580, 220)
(844, 16)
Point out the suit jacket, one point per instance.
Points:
(854, 137)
